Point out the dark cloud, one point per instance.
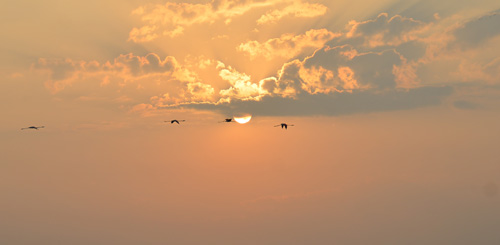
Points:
(390, 27)
(379, 33)
(335, 104)
(371, 69)
(151, 63)
(479, 30)
(413, 50)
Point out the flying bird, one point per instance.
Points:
(228, 120)
(283, 125)
(33, 127)
(175, 121)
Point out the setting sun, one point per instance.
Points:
(243, 120)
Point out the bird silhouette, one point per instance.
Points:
(33, 127)
(228, 120)
(175, 121)
(283, 125)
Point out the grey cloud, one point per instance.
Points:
(373, 69)
(150, 63)
(59, 69)
(379, 32)
(376, 68)
(390, 27)
(477, 31)
(335, 104)
(329, 57)
(413, 50)
(62, 69)
(290, 76)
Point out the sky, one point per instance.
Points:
(395, 107)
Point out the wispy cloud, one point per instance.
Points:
(295, 9)
(288, 45)
(171, 19)
(128, 78)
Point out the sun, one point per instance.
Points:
(243, 120)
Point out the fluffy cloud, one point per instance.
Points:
(328, 71)
(288, 45)
(241, 85)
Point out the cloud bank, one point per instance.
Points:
(379, 64)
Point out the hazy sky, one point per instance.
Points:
(395, 105)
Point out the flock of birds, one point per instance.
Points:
(227, 120)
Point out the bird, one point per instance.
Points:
(283, 125)
(228, 120)
(33, 127)
(175, 121)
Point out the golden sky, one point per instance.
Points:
(394, 104)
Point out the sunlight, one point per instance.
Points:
(243, 120)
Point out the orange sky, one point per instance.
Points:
(394, 105)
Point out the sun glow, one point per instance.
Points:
(243, 120)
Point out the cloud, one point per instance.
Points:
(386, 63)
(479, 30)
(332, 81)
(288, 45)
(369, 70)
(171, 19)
(297, 9)
(142, 66)
(127, 79)
(335, 104)
(241, 85)
(455, 50)
(62, 73)
(384, 31)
